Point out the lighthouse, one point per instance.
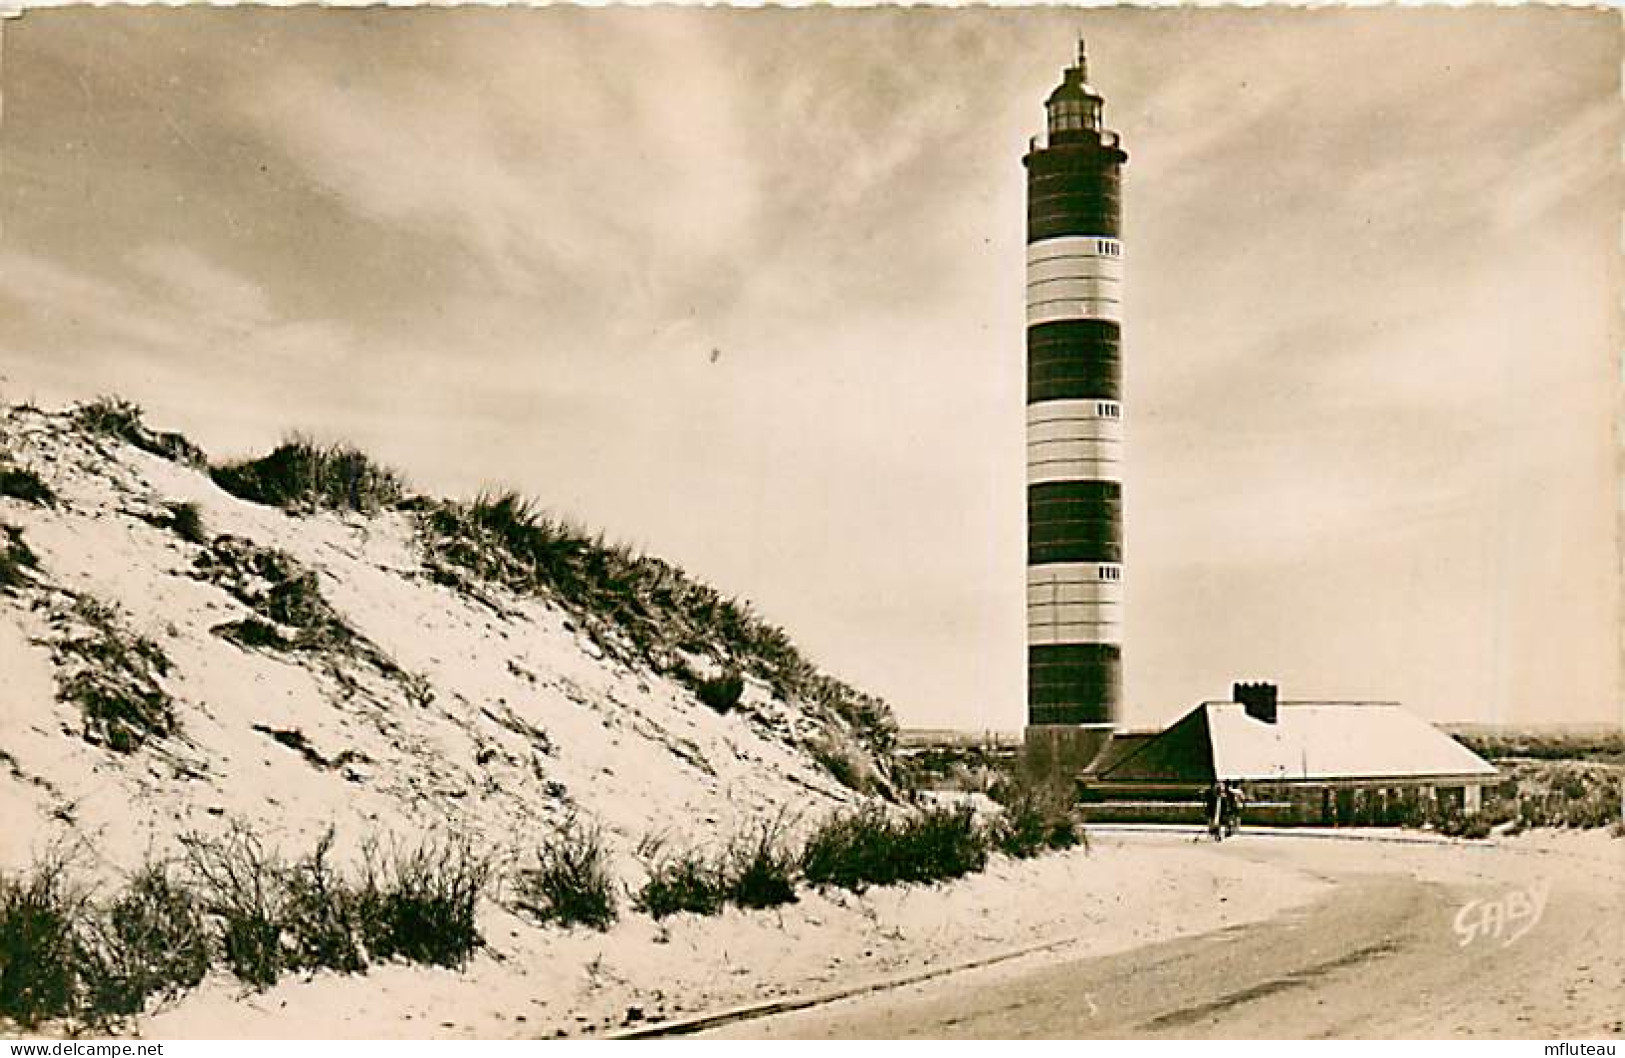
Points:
(1074, 428)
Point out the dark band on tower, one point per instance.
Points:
(1074, 416)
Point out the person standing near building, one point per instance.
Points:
(1214, 804)
(1232, 802)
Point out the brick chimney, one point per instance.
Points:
(1259, 699)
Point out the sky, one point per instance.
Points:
(745, 289)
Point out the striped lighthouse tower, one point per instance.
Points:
(1074, 429)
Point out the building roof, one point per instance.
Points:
(1307, 741)
(1121, 745)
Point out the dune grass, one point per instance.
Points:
(186, 522)
(17, 560)
(1038, 817)
(572, 883)
(302, 475)
(414, 903)
(1579, 795)
(112, 674)
(686, 881)
(419, 901)
(639, 607)
(124, 420)
(875, 846)
(22, 483)
(759, 867)
(45, 945)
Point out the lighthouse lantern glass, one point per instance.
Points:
(1074, 115)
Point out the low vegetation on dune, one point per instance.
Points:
(45, 944)
(17, 560)
(228, 901)
(290, 614)
(22, 483)
(756, 870)
(1574, 794)
(722, 692)
(302, 475)
(681, 881)
(1038, 816)
(1604, 744)
(571, 883)
(186, 521)
(113, 674)
(638, 607)
(85, 955)
(151, 939)
(976, 768)
(66, 956)
(1552, 777)
(123, 420)
(876, 846)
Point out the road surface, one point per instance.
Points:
(1414, 941)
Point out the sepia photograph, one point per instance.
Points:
(805, 523)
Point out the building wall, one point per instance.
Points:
(1390, 802)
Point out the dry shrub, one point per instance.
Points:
(45, 943)
(572, 883)
(419, 903)
(241, 884)
(153, 942)
(685, 881)
(1037, 817)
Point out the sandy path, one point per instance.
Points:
(1380, 956)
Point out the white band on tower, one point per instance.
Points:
(1075, 602)
(1074, 277)
(1074, 440)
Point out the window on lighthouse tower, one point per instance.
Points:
(1074, 115)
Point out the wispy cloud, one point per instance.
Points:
(745, 287)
